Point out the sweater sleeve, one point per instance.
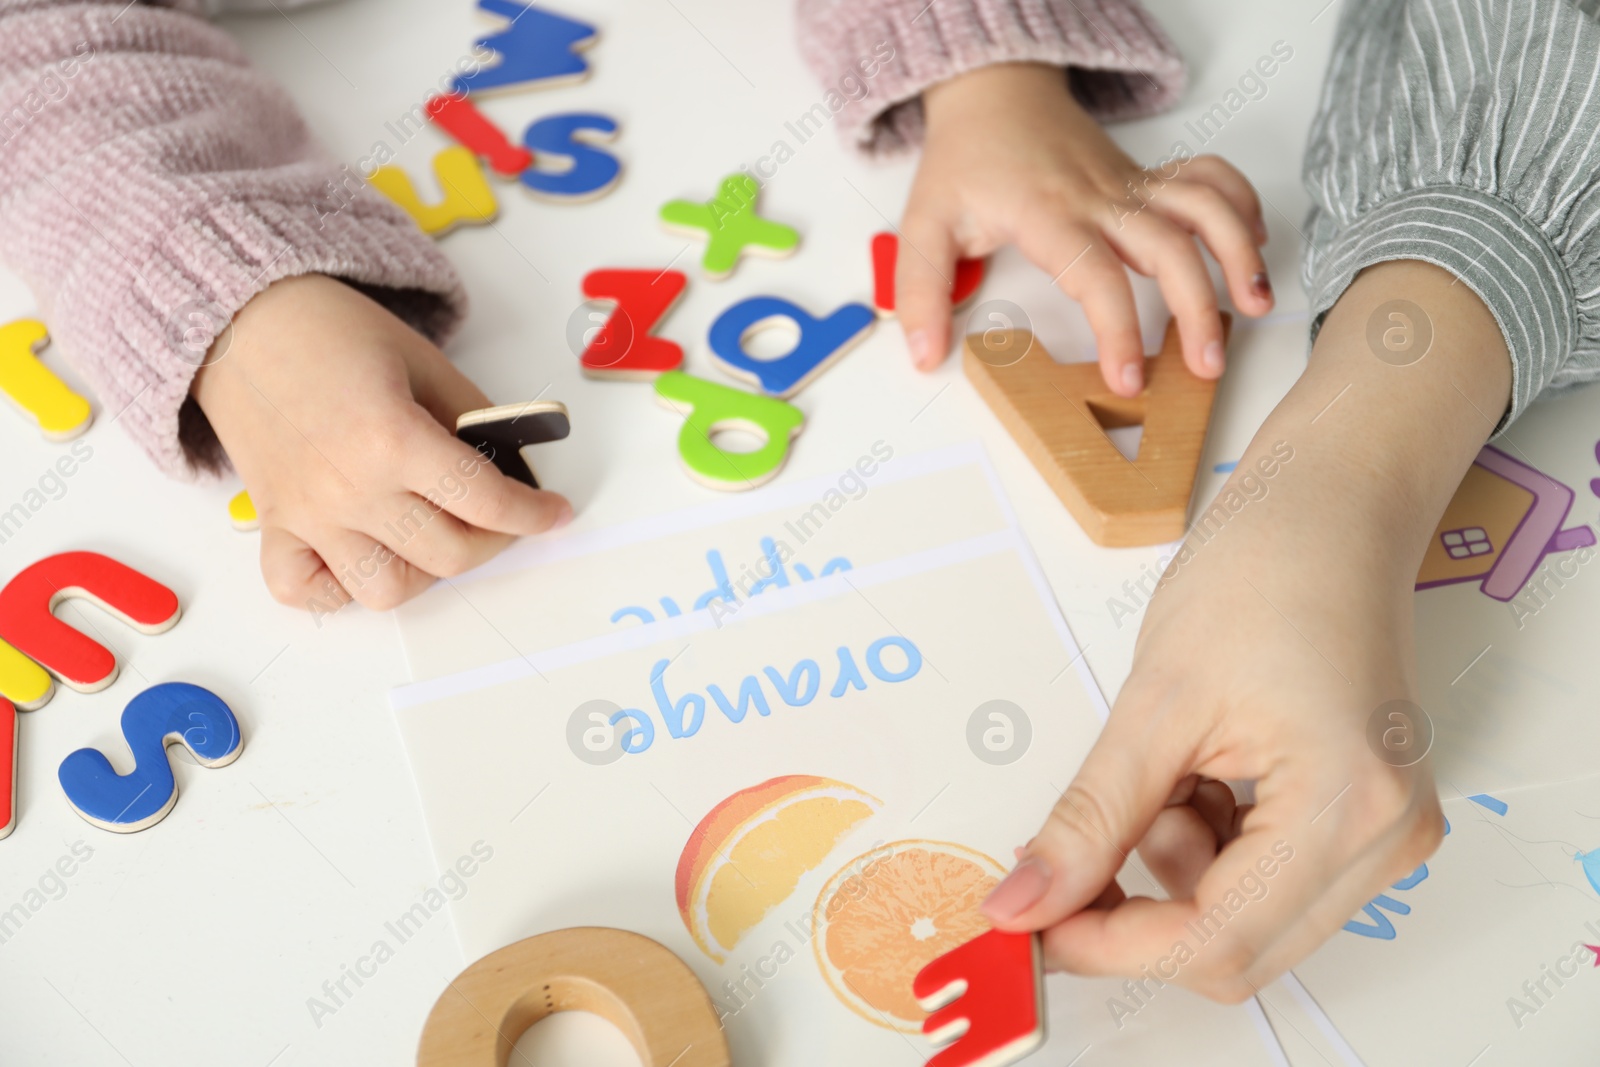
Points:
(879, 55)
(152, 182)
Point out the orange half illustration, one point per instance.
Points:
(892, 911)
(750, 851)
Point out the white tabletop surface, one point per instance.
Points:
(200, 941)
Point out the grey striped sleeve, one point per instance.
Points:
(1466, 133)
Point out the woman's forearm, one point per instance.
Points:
(1408, 378)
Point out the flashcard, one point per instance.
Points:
(33, 389)
(819, 343)
(169, 714)
(722, 556)
(460, 118)
(730, 226)
(1504, 520)
(886, 253)
(738, 776)
(624, 347)
(709, 409)
(1488, 939)
(592, 172)
(537, 48)
(28, 601)
(468, 199)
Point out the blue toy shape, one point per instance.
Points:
(167, 714)
(593, 172)
(821, 342)
(536, 48)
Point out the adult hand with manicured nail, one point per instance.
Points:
(1282, 626)
(1011, 158)
(1222, 688)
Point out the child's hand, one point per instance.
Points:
(334, 413)
(1283, 633)
(1010, 158)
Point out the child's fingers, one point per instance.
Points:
(294, 573)
(924, 269)
(1154, 246)
(435, 541)
(369, 570)
(445, 393)
(1084, 267)
(451, 473)
(1203, 211)
(1235, 187)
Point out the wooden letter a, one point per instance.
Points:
(1058, 414)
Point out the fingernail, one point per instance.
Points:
(565, 516)
(1261, 286)
(1020, 890)
(1212, 357)
(921, 348)
(1132, 377)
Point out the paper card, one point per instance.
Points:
(1483, 948)
(850, 715)
(1506, 602)
(729, 552)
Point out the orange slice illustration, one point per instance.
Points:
(892, 911)
(750, 852)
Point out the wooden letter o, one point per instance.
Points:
(633, 982)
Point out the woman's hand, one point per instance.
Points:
(1279, 651)
(339, 418)
(1011, 158)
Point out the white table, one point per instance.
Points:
(200, 941)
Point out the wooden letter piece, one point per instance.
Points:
(819, 343)
(59, 413)
(987, 1001)
(591, 172)
(173, 713)
(468, 199)
(708, 409)
(8, 767)
(885, 259)
(536, 48)
(629, 980)
(624, 347)
(22, 681)
(502, 433)
(460, 118)
(242, 512)
(730, 225)
(1058, 412)
(28, 622)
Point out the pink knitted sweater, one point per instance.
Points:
(152, 182)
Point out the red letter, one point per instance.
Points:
(460, 118)
(28, 601)
(623, 347)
